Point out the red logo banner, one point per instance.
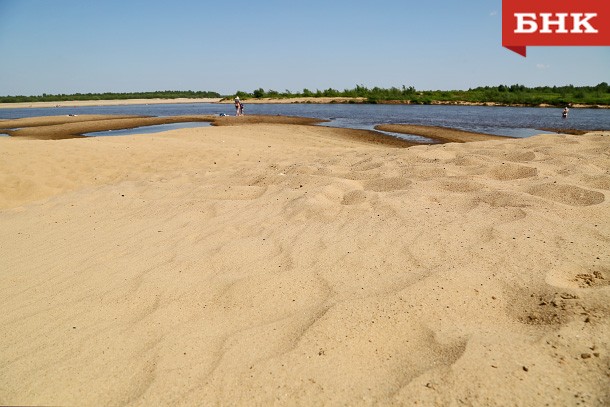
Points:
(554, 23)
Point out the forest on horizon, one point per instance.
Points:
(502, 94)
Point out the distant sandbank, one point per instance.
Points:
(121, 102)
(312, 100)
(79, 103)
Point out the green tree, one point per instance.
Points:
(259, 93)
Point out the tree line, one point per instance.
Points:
(503, 94)
(165, 94)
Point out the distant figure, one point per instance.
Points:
(565, 113)
(237, 103)
(241, 109)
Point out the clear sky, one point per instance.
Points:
(69, 46)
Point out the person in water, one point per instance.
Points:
(237, 106)
(565, 112)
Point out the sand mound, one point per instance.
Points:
(293, 265)
(568, 194)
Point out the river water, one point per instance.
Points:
(504, 121)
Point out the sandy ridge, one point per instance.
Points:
(442, 134)
(74, 126)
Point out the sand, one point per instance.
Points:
(65, 126)
(293, 265)
(441, 134)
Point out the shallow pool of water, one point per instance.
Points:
(157, 128)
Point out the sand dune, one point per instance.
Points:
(288, 264)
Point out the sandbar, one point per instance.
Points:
(441, 134)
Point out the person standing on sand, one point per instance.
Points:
(241, 109)
(565, 112)
(237, 104)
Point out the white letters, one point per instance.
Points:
(527, 23)
(521, 22)
(579, 23)
(547, 22)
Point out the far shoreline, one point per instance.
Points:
(113, 102)
(297, 100)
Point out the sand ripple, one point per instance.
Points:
(293, 265)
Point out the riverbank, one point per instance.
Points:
(121, 102)
(360, 100)
(277, 263)
(305, 100)
(79, 103)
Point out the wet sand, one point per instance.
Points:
(441, 134)
(62, 127)
(65, 126)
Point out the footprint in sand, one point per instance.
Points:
(542, 308)
(387, 184)
(354, 197)
(232, 193)
(366, 165)
(425, 172)
(575, 276)
(567, 194)
(470, 160)
(596, 181)
(507, 172)
(461, 186)
(502, 199)
(519, 156)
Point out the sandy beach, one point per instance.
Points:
(275, 263)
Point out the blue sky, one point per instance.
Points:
(66, 46)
